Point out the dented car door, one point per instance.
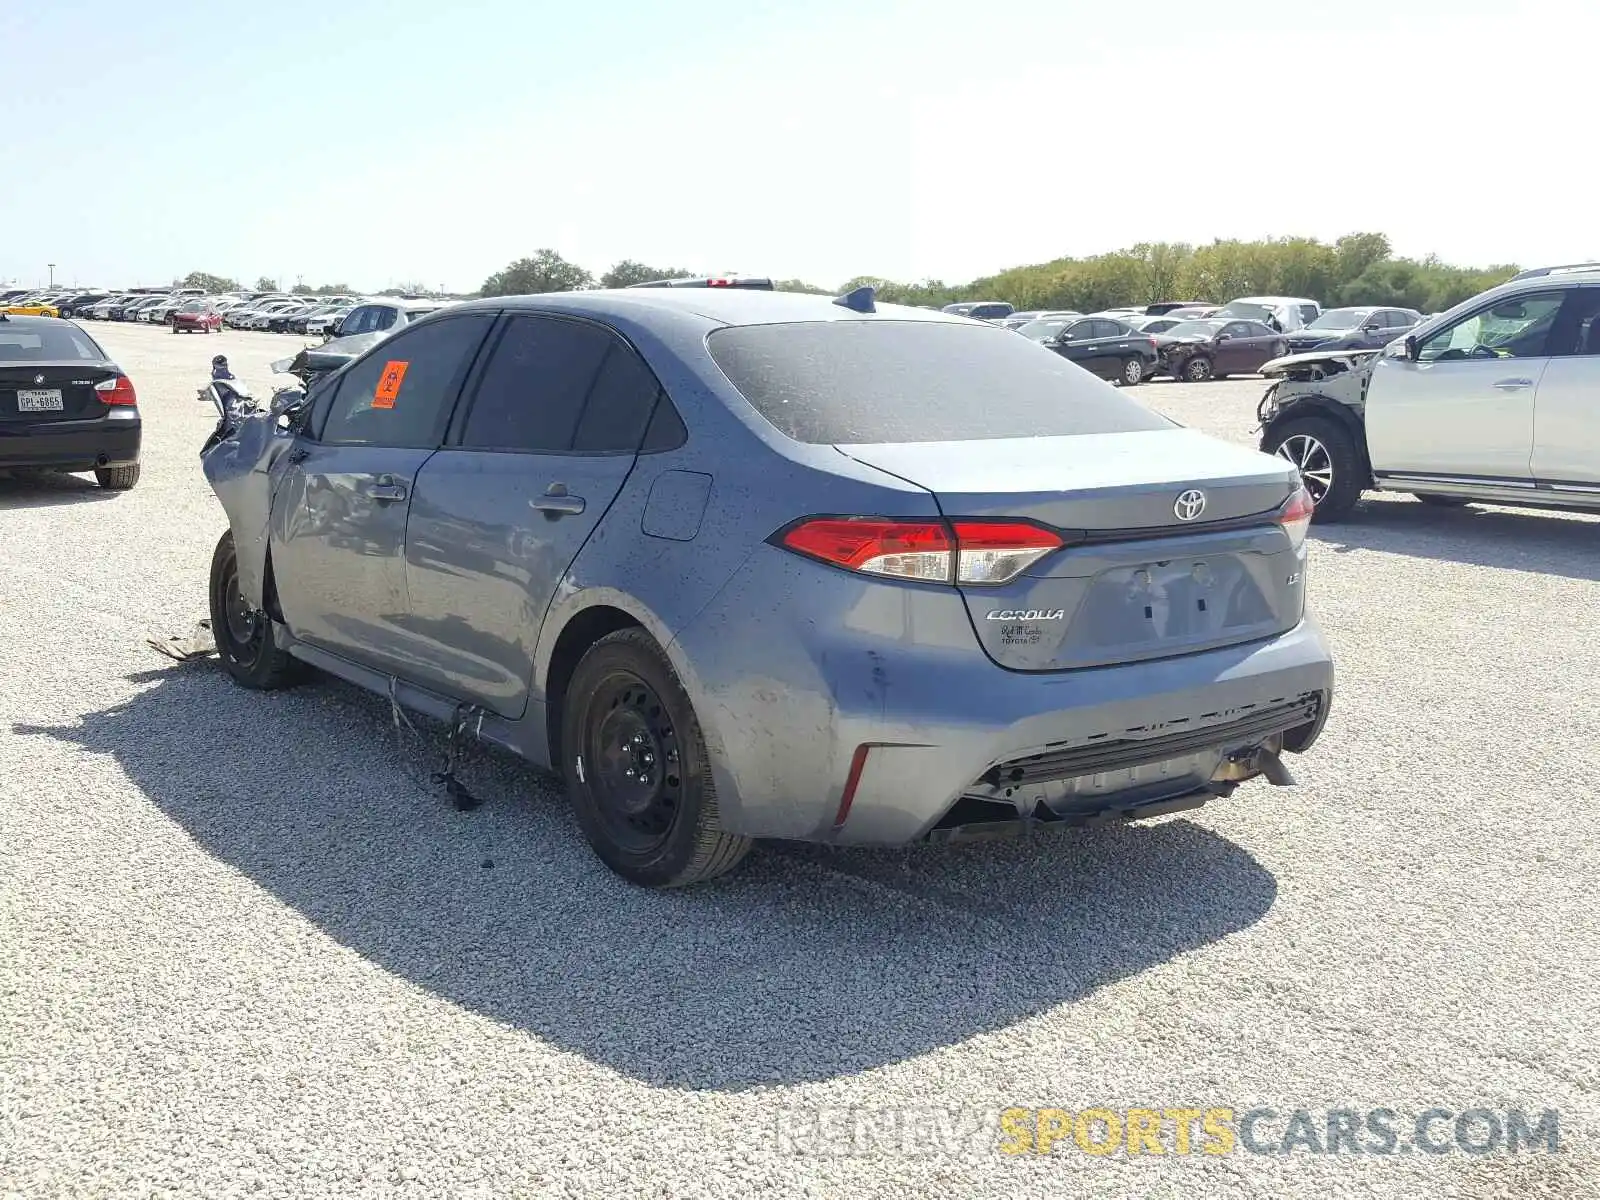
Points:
(339, 517)
(545, 436)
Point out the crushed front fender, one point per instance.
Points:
(244, 467)
(1338, 375)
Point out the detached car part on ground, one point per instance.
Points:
(1492, 401)
(756, 567)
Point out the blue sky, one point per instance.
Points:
(385, 142)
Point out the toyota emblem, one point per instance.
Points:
(1190, 504)
(38, 378)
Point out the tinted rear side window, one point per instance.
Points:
(534, 386)
(845, 382)
(620, 404)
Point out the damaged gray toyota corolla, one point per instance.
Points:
(762, 565)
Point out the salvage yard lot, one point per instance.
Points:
(246, 946)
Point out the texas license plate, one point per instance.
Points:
(39, 400)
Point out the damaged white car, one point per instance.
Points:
(1491, 401)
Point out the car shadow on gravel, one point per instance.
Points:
(806, 964)
(49, 490)
(1547, 543)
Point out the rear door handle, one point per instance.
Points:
(559, 506)
(558, 502)
(1513, 385)
(387, 490)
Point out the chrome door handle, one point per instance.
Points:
(559, 506)
(1513, 385)
(558, 502)
(386, 489)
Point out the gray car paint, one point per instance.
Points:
(791, 664)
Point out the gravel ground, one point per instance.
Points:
(246, 950)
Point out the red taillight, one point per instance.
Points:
(117, 390)
(1295, 516)
(974, 552)
(719, 283)
(899, 549)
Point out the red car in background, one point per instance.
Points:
(195, 316)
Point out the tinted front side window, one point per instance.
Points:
(1514, 328)
(534, 386)
(400, 394)
(910, 381)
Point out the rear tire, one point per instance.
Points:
(637, 769)
(1132, 372)
(244, 639)
(117, 479)
(1330, 466)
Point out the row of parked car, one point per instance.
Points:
(1195, 341)
(191, 309)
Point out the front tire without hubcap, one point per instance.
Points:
(636, 767)
(1197, 369)
(243, 635)
(1325, 454)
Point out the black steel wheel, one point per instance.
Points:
(637, 770)
(243, 634)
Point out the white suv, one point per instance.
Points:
(1494, 400)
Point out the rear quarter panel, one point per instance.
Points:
(759, 482)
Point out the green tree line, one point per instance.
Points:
(1359, 268)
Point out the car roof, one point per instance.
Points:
(730, 306)
(407, 305)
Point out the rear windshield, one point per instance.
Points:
(47, 343)
(844, 382)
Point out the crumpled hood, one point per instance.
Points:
(1354, 359)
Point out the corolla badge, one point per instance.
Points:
(38, 378)
(1026, 614)
(1189, 504)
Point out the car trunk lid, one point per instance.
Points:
(1135, 580)
(31, 391)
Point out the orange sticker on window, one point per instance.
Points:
(389, 384)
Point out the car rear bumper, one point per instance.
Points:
(111, 441)
(886, 684)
